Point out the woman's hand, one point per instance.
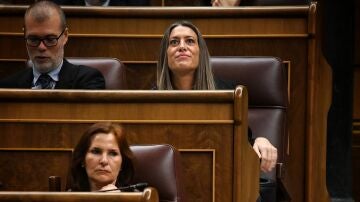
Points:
(110, 188)
(225, 3)
(266, 152)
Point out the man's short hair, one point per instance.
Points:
(40, 12)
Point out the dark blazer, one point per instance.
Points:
(112, 2)
(70, 77)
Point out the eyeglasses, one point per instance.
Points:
(48, 41)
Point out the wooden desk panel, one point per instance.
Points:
(148, 195)
(208, 127)
(29, 169)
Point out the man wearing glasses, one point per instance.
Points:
(46, 34)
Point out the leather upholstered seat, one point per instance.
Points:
(160, 167)
(112, 69)
(266, 81)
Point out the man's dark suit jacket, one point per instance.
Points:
(70, 77)
(112, 2)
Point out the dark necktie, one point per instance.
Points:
(45, 81)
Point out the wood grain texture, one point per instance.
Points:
(29, 170)
(215, 171)
(318, 84)
(148, 195)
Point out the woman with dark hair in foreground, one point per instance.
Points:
(101, 159)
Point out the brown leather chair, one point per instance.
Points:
(112, 69)
(160, 167)
(266, 81)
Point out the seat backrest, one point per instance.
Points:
(160, 167)
(266, 81)
(111, 68)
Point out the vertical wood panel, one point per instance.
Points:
(152, 117)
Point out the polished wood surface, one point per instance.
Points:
(208, 127)
(29, 169)
(148, 195)
(133, 35)
(242, 182)
(318, 103)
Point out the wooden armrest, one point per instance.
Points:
(150, 194)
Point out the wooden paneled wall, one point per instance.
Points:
(219, 163)
(133, 35)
